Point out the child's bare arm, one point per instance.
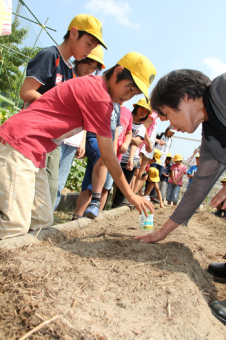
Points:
(136, 141)
(115, 140)
(173, 176)
(148, 143)
(179, 178)
(133, 149)
(126, 143)
(80, 152)
(28, 91)
(158, 192)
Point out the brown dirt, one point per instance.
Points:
(104, 284)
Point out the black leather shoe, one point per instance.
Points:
(218, 309)
(217, 269)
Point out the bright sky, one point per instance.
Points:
(172, 34)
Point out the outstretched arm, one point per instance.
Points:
(160, 234)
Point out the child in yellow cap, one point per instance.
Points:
(151, 177)
(177, 171)
(152, 182)
(52, 66)
(75, 145)
(79, 103)
(130, 160)
(94, 62)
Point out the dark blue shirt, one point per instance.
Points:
(166, 170)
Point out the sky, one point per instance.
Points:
(172, 34)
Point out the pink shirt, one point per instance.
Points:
(126, 123)
(60, 113)
(150, 130)
(177, 171)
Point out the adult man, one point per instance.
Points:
(188, 98)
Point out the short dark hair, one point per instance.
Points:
(134, 113)
(125, 74)
(174, 86)
(80, 34)
(86, 61)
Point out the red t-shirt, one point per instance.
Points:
(80, 103)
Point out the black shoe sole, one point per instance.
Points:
(222, 276)
(90, 215)
(218, 317)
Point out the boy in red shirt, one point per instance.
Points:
(80, 103)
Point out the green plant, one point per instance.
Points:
(76, 175)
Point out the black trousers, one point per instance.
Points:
(119, 197)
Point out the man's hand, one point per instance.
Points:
(160, 234)
(152, 237)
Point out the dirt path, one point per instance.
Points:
(104, 284)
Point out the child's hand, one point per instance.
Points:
(80, 152)
(161, 142)
(141, 203)
(129, 165)
(161, 205)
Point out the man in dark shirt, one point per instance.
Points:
(188, 98)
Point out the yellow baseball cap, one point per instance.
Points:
(142, 102)
(141, 68)
(157, 155)
(198, 155)
(98, 55)
(88, 24)
(177, 157)
(153, 175)
(223, 180)
(169, 155)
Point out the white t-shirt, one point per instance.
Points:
(74, 140)
(164, 148)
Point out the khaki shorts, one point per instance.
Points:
(25, 202)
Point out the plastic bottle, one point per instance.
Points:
(146, 223)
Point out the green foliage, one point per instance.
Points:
(12, 61)
(5, 112)
(76, 175)
(3, 115)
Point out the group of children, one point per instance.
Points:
(70, 112)
(59, 105)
